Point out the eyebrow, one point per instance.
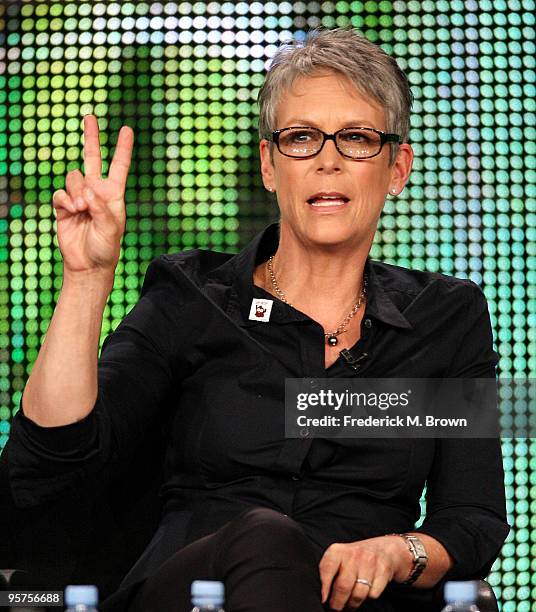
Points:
(296, 121)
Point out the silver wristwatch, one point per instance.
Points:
(420, 558)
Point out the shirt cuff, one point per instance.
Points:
(473, 547)
(45, 462)
(73, 439)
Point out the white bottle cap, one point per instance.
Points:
(206, 592)
(463, 591)
(76, 594)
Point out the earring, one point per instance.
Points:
(270, 189)
(393, 191)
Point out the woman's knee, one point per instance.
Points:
(269, 531)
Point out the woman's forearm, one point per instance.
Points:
(62, 387)
(439, 561)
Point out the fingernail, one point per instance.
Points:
(88, 194)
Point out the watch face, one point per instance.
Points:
(418, 550)
(420, 558)
(421, 551)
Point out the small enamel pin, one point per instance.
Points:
(260, 310)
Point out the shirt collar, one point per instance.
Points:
(238, 271)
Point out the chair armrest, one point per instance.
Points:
(10, 578)
(486, 601)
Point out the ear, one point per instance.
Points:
(267, 168)
(401, 168)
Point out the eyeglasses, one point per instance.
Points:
(352, 142)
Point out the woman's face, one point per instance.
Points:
(330, 102)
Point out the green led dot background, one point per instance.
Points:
(185, 76)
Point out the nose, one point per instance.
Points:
(329, 159)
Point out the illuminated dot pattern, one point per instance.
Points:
(186, 76)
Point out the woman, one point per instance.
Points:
(288, 524)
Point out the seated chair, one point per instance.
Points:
(88, 537)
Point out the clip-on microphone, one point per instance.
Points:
(352, 361)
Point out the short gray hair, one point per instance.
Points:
(373, 73)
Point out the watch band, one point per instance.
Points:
(420, 558)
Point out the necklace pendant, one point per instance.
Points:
(333, 340)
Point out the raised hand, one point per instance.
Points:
(91, 211)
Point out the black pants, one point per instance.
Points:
(264, 559)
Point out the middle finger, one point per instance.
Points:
(345, 586)
(361, 590)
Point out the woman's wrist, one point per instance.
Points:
(403, 556)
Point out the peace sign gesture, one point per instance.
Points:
(91, 211)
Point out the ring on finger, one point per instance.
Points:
(364, 581)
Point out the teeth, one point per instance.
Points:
(327, 202)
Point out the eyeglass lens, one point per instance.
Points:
(301, 142)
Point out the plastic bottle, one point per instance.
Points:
(461, 596)
(81, 598)
(208, 596)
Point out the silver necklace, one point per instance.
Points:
(331, 337)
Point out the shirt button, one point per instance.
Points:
(368, 323)
(296, 478)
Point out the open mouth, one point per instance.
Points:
(324, 201)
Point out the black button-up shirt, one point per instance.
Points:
(189, 353)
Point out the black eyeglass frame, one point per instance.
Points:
(384, 138)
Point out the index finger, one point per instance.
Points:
(122, 156)
(328, 568)
(92, 153)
